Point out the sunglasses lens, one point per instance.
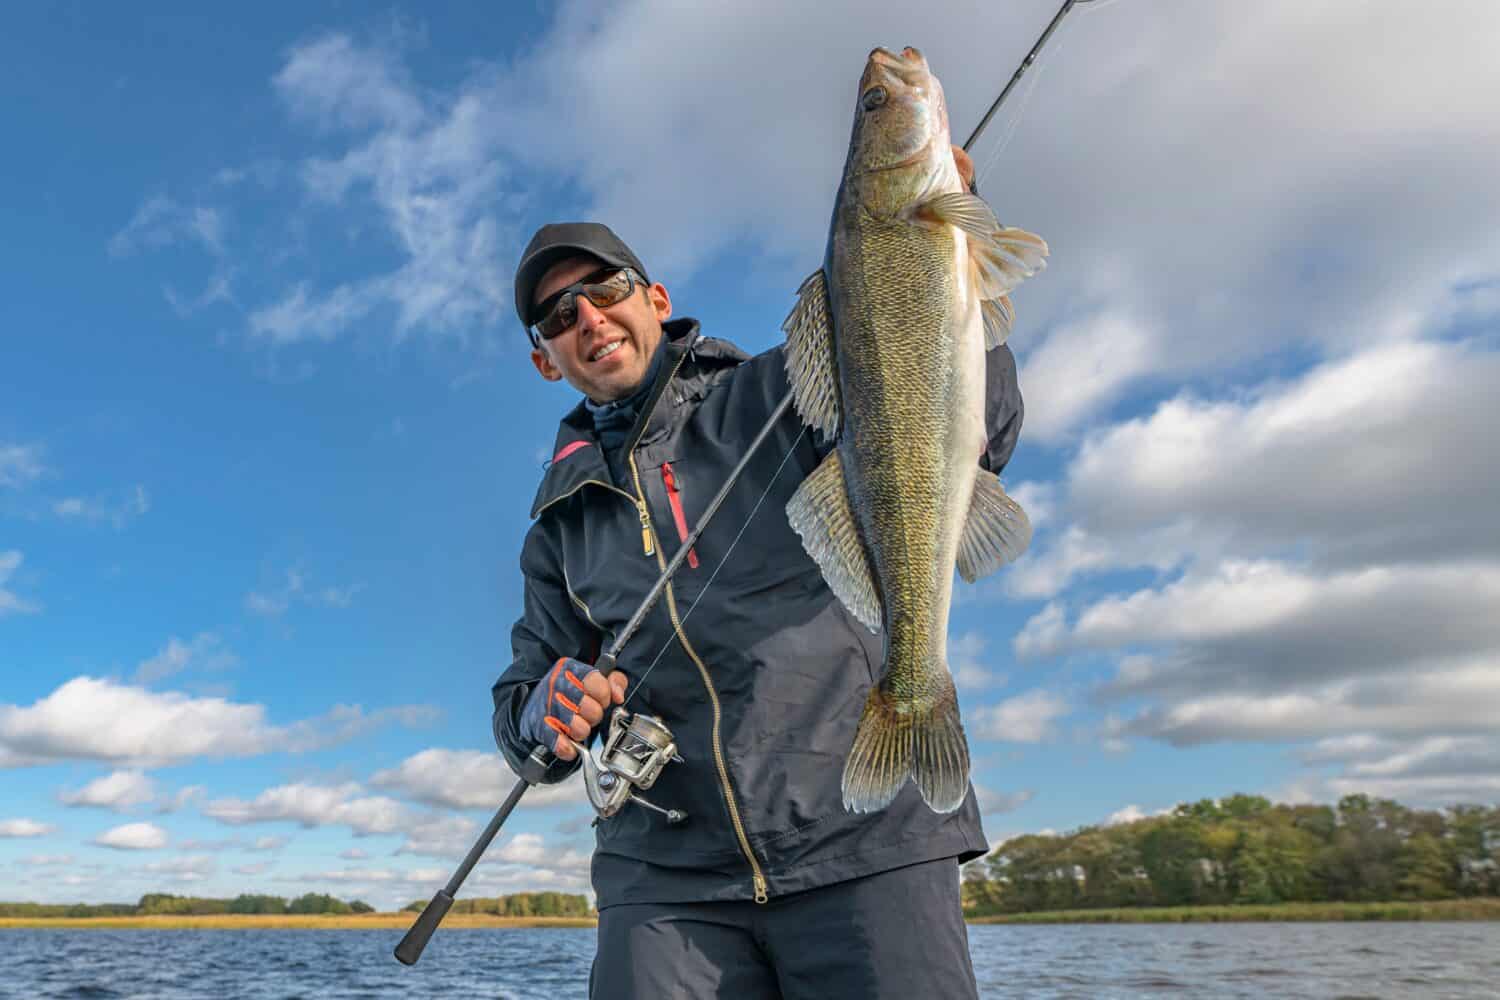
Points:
(613, 289)
(560, 318)
(609, 291)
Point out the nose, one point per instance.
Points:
(590, 316)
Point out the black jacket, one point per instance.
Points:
(763, 685)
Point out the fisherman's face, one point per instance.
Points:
(634, 323)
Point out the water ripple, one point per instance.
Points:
(1315, 961)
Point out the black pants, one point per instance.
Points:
(896, 934)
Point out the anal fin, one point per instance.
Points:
(819, 512)
(996, 531)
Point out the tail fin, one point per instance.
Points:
(896, 738)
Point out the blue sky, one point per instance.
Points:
(268, 435)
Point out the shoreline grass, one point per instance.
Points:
(342, 922)
(1444, 909)
(1448, 909)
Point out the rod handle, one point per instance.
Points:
(410, 948)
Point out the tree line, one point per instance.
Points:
(521, 904)
(166, 904)
(1244, 849)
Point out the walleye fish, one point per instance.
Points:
(885, 352)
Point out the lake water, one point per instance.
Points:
(1426, 960)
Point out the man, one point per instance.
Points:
(770, 888)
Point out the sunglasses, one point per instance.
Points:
(559, 311)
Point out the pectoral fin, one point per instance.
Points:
(819, 511)
(997, 530)
(1003, 256)
(811, 362)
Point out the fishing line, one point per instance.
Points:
(1032, 57)
(636, 686)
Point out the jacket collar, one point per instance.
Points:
(578, 460)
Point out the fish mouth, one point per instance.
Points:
(908, 69)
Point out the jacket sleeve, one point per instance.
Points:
(547, 629)
(1003, 409)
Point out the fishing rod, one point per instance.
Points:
(1021, 69)
(639, 747)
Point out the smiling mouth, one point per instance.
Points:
(606, 350)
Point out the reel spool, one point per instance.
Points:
(638, 747)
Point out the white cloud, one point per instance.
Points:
(187, 868)
(1026, 718)
(274, 602)
(162, 222)
(47, 860)
(133, 837)
(993, 803)
(20, 465)
(1082, 366)
(315, 805)
(10, 603)
(1458, 699)
(966, 662)
(258, 868)
(24, 828)
(426, 167)
(468, 779)
(180, 799)
(269, 843)
(204, 651)
(1351, 461)
(354, 854)
(118, 790)
(91, 718)
(118, 507)
(1268, 624)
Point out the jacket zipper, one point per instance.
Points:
(674, 497)
(647, 539)
(757, 877)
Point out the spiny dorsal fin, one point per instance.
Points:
(996, 531)
(811, 361)
(819, 512)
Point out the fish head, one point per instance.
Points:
(900, 138)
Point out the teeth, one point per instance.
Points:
(606, 350)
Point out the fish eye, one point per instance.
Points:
(873, 98)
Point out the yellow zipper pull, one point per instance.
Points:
(760, 888)
(645, 527)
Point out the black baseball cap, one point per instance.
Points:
(557, 240)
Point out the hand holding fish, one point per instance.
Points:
(965, 166)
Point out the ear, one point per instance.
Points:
(544, 365)
(661, 302)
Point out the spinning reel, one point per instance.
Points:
(633, 755)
